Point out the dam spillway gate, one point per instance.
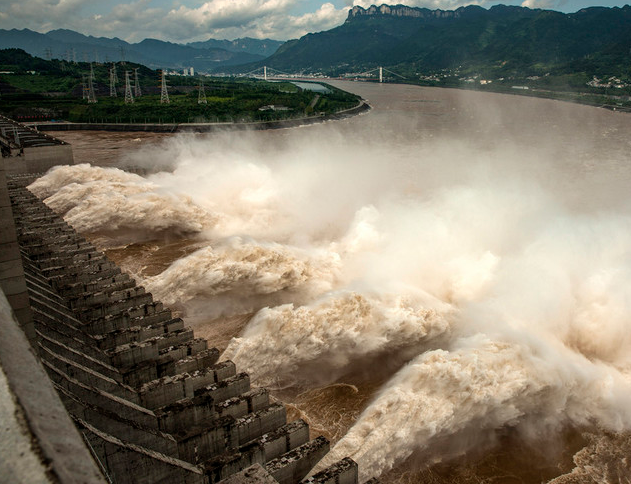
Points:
(153, 403)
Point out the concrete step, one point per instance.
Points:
(141, 464)
(112, 423)
(136, 334)
(259, 451)
(144, 315)
(344, 471)
(294, 465)
(130, 354)
(227, 433)
(218, 381)
(87, 375)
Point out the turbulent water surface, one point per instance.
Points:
(441, 286)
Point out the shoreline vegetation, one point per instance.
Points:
(361, 107)
(597, 97)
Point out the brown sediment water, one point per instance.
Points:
(440, 286)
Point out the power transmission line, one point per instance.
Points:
(164, 93)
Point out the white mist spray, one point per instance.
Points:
(493, 267)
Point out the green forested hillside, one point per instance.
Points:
(500, 41)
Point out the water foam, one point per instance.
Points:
(314, 344)
(497, 278)
(244, 267)
(94, 199)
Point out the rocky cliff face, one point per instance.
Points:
(401, 11)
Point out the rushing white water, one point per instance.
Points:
(246, 271)
(477, 264)
(94, 199)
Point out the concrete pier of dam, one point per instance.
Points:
(27, 150)
(101, 383)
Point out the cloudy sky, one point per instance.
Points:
(190, 20)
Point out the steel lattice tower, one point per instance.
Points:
(129, 99)
(164, 93)
(91, 94)
(201, 97)
(113, 80)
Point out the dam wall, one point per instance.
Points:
(133, 396)
(39, 441)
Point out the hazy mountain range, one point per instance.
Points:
(203, 56)
(502, 40)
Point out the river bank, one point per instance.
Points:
(198, 127)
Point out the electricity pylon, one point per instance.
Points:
(91, 94)
(201, 96)
(113, 80)
(164, 93)
(129, 99)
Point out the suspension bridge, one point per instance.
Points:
(267, 73)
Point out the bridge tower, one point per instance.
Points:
(381, 74)
(265, 73)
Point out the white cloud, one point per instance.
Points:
(325, 18)
(227, 13)
(545, 4)
(186, 20)
(40, 11)
(253, 18)
(175, 20)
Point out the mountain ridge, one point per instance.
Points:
(502, 41)
(203, 56)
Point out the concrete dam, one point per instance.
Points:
(101, 383)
